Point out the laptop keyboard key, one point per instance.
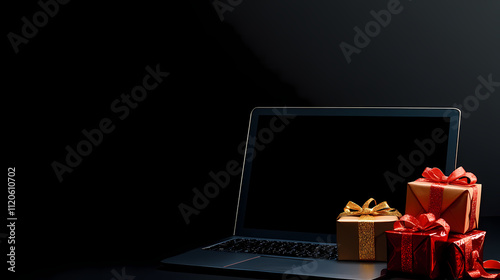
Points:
(277, 248)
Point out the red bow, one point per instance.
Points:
(457, 177)
(425, 222)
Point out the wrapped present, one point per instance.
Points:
(361, 231)
(413, 248)
(463, 257)
(455, 198)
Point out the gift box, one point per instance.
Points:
(463, 256)
(455, 198)
(361, 231)
(413, 247)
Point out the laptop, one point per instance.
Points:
(302, 166)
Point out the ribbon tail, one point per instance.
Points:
(479, 270)
(491, 264)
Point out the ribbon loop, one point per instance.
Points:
(367, 203)
(381, 209)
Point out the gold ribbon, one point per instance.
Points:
(366, 238)
(381, 209)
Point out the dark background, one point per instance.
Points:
(120, 204)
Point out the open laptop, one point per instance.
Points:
(301, 167)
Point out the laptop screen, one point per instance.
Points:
(303, 167)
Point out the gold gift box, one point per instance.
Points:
(363, 237)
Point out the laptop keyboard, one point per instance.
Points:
(277, 248)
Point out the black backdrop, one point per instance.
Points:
(120, 202)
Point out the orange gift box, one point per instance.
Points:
(455, 198)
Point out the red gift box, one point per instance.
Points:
(464, 256)
(413, 248)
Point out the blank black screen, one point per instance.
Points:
(302, 179)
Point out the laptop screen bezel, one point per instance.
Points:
(239, 230)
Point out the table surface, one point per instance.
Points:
(150, 271)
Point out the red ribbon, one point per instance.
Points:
(473, 264)
(406, 252)
(436, 199)
(478, 268)
(425, 222)
(457, 177)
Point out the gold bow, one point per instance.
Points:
(381, 209)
